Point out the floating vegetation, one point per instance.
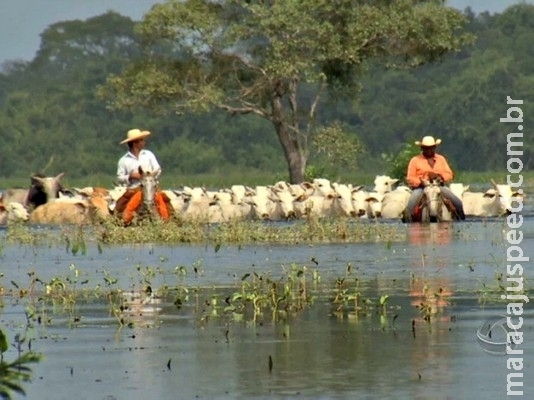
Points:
(339, 230)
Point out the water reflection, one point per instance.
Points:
(430, 290)
(422, 344)
(440, 233)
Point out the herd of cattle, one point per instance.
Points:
(48, 202)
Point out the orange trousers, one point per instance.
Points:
(161, 200)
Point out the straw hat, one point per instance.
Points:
(428, 141)
(135, 134)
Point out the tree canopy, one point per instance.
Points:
(254, 57)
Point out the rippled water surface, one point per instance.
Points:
(185, 343)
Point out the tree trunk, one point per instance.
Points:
(296, 160)
(293, 152)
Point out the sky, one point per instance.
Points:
(22, 21)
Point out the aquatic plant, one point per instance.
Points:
(14, 373)
(259, 293)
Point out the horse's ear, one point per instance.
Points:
(140, 170)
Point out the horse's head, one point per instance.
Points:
(433, 199)
(149, 186)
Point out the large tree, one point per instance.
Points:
(255, 57)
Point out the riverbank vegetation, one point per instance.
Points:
(51, 116)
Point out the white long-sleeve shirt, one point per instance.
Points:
(130, 163)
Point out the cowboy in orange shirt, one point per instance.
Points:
(429, 166)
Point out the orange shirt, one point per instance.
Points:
(419, 168)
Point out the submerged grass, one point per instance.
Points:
(147, 295)
(142, 299)
(237, 232)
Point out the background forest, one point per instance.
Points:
(51, 117)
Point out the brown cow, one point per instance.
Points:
(71, 211)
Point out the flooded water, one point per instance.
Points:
(331, 337)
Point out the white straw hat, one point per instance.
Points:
(135, 134)
(428, 141)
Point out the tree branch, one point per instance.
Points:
(248, 109)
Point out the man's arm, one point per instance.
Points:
(123, 177)
(412, 177)
(442, 168)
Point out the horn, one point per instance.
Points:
(37, 178)
(493, 182)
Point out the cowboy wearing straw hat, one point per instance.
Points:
(128, 171)
(429, 166)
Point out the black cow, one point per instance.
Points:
(43, 189)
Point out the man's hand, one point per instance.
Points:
(432, 176)
(135, 175)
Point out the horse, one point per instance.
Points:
(436, 205)
(149, 187)
(146, 203)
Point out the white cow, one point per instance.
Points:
(317, 206)
(384, 184)
(373, 205)
(197, 203)
(13, 212)
(494, 202)
(322, 186)
(342, 204)
(261, 206)
(283, 204)
(238, 193)
(224, 208)
(270, 203)
(302, 189)
(394, 202)
(458, 189)
(358, 198)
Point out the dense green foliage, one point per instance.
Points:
(50, 114)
